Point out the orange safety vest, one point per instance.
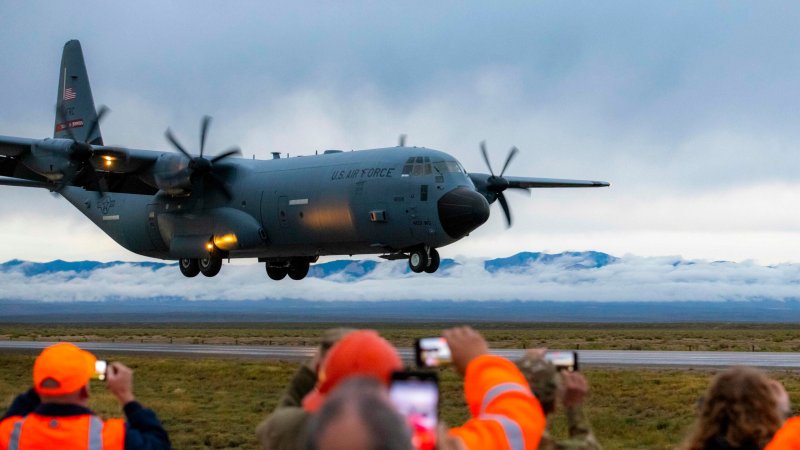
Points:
(505, 414)
(81, 432)
(788, 437)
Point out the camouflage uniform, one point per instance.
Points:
(287, 427)
(545, 381)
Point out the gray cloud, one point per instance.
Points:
(683, 105)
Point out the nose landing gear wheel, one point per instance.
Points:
(276, 273)
(418, 260)
(210, 266)
(298, 269)
(433, 262)
(189, 267)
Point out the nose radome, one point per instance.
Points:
(461, 211)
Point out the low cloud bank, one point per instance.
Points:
(586, 276)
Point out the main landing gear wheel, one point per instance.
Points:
(189, 267)
(298, 269)
(210, 266)
(433, 262)
(418, 260)
(277, 273)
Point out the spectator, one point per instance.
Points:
(305, 378)
(55, 413)
(359, 416)
(551, 386)
(505, 414)
(359, 353)
(742, 409)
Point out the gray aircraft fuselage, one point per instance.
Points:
(357, 202)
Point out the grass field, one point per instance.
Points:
(216, 403)
(733, 337)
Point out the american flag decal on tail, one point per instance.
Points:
(69, 94)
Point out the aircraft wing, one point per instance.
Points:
(9, 181)
(123, 160)
(528, 183)
(14, 146)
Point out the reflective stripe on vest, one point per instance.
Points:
(95, 433)
(512, 430)
(13, 443)
(499, 390)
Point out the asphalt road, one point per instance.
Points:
(608, 358)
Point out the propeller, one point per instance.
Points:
(80, 154)
(202, 170)
(496, 184)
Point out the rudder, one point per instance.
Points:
(75, 106)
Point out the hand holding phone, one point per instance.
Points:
(416, 397)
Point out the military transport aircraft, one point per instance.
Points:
(399, 202)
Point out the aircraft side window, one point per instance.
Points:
(427, 169)
(440, 167)
(407, 169)
(418, 169)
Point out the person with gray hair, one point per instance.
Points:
(359, 415)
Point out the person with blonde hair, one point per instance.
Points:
(742, 410)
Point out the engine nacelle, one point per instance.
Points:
(171, 174)
(49, 157)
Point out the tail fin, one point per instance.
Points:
(75, 106)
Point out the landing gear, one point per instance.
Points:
(424, 259)
(189, 267)
(210, 266)
(418, 260)
(433, 262)
(298, 269)
(277, 273)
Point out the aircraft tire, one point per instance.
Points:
(418, 260)
(189, 267)
(210, 266)
(277, 273)
(298, 269)
(433, 262)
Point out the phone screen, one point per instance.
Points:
(417, 398)
(432, 352)
(100, 368)
(563, 360)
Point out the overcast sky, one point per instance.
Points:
(691, 109)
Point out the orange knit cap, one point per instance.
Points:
(61, 369)
(360, 353)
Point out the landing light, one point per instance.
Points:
(209, 246)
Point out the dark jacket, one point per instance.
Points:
(143, 430)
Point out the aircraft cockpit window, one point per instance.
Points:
(448, 166)
(418, 166)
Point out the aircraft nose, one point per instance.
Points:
(461, 211)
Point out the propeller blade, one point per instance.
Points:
(511, 154)
(227, 153)
(203, 132)
(177, 144)
(93, 126)
(502, 199)
(486, 157)
(220, 184)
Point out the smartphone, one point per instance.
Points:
(563, 360)
(100, 368)
(416, 397)
(432, 352)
